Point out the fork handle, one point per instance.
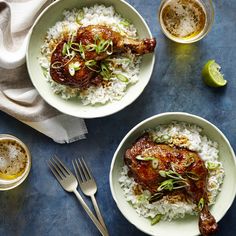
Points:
(91, 215)
(98, 212)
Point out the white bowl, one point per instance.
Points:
(189, 225)
(47, 19)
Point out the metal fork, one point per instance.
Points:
(69, 183)
(87, 184)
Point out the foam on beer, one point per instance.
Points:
(183, 18)
(13, 158)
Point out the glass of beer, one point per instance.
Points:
(15, 162)
(186, 21)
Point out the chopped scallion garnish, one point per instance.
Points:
(171, 184)
(155, 163)
(125, 23)
(122, 78)
(73, 67)
(92, 65)
(105, 72)
(156, 219)
(212, 165)
(192, 175)
(79, 17)
(101, 45)
(201, 204)
(57, 65)
(144, 158)
(64, 49)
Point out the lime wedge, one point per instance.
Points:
(212, 75)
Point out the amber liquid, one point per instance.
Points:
(13, 159)
(183, 19)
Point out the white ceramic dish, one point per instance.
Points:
(47, 19)
(189, 225)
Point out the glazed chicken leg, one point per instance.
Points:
(94, 34)
(179, 172)
(91, 45)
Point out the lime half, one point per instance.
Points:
(212, 75)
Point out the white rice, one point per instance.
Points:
(129, 65)
(208, 151)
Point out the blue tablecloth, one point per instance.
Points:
(40, 207)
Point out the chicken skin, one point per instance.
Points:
(176, 171)
(60, 71)
(94, 34)
(88, 48)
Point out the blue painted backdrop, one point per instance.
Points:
(40, 207)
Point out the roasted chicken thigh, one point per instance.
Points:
(172, 171)
(76, 61)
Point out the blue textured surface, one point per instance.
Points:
(40, 207)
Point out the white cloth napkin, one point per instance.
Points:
(18, 97)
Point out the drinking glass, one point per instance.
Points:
(186, 21)
(11, 181)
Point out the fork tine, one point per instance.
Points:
(56, 174)
(58, 167)
(84, 170)
(87, 169)
(62, 165)
(80, 171)
(75, 163)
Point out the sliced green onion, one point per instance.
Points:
(92, 65)
(155, 197)
(166, 137)
(201, 204)
(100, 46)
(162, 139)
(75, 47)
(91, 47)
(162, 173)
(192, 175)
(174, 175)
(189, 161)
(81, 50)
(57, 65)
(171, 184)
(125, 23)
(156, 219)
(141, 158)
(155, 163)
(212, 165)
(78, 47)
(71, 37)
(77, 66)
(180, 184)
(64, 49)
(105, 72)
(122, 78)
(79, 17)
(166, 185)
(171, 174)
(104, 45)
(71, 69)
